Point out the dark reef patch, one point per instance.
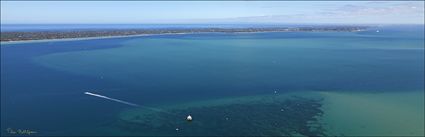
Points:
(294, 116)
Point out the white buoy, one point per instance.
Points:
(377, 30)
(189, 118)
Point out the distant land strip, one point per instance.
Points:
(71, 34)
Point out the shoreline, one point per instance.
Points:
(138, 35)
(32, 37)
(82, 38)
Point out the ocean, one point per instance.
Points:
(272, 83)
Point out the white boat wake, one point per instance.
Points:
(125, 102)
(113, 99)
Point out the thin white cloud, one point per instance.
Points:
(371, 12)
(359, 10)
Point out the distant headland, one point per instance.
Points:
(11, 36)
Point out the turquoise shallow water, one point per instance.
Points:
(43, 83)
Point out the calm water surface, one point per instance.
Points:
(42, 84)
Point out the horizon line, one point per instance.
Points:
(212, 23)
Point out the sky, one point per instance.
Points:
(174, 12)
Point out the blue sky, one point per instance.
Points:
(131, 12)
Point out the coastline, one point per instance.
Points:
(83, 38)
(32, 37)
(126, 36)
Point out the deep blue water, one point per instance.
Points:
(51, 102)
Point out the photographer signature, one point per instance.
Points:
(20, 131)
